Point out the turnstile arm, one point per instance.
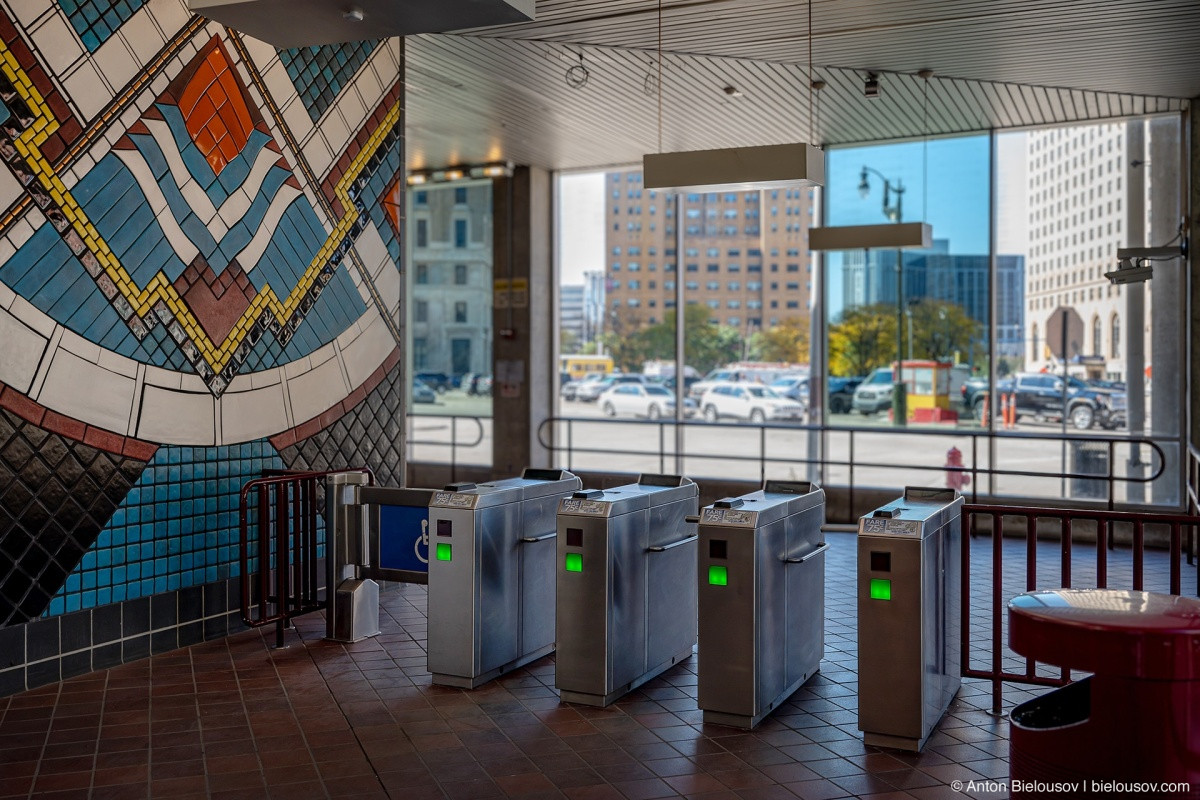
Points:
(816, 551)
(542, 538)
(664, 547)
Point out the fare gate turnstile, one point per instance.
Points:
(909, 593)
(762, 600)
(626, 587)
(491, 575)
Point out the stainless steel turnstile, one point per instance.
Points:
(626, 586)
(491, 575)
(909, 593)
(762, 600)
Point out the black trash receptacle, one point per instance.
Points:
(1089, 458)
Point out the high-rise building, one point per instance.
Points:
(869, 277)
(451, 314)
(570, 311)
(745, 254)
(593, 305)
(1077, 220)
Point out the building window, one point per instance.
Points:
(421, 311)
(460, 311)
(422, 273)
(1097, 333)
(460, 195)
(421, 198)
(422, 233)
(1116, 336)
(460, 274)
(460, 233)
(420, 353)
(1034, 353)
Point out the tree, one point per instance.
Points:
(863, 338)
(942, 331)
(705, 344)
(788, 341)
(568, 342)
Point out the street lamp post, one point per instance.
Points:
(894, 213)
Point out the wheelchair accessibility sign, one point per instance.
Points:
(404, 538)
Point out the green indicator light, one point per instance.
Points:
(443, 551)
(881, 589)
(718, 575)
(574, 562)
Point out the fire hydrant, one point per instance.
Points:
(956, 476)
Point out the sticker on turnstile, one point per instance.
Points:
(903, 527)
(729, 516)
(453, 500)
(584, 507)
(873, 525)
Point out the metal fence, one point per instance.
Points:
(561, 435)
(1062, 525)
(280, 544)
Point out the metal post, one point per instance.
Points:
(899, 389)
(1066, 318)
(680, 354)
(1135, 304)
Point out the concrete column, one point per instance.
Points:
(524, 372)
(1168, 293)
(1192, 134)
(1134, 343)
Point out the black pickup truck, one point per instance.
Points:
(1040, 396)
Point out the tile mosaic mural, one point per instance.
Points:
(194, 288)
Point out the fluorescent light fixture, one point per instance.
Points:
(495, 170)
(301, 23)
(417, 178)
(774, 166)
(860, 237)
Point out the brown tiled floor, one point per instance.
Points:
(235, 719)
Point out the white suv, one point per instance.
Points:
(748, 401)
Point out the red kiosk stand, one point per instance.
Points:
(1136, 720)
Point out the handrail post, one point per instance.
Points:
(283, 567)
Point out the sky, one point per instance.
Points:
(958, 197)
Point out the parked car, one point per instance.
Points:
(841, 394)
(483, 386)
(422, 393)
(570, 389)
(793, 387)
(1040, 395)
(591, 390)
(713, 378)
(875, 393)
(748, 401)
(649, 400)
(438, 381)
(472, 381)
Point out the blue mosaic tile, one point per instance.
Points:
(319, 73)
(177, 527)
(97, 20)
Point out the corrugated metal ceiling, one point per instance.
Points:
(502, 92)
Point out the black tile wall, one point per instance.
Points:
(47, 650)
(369, 434)
(60, 495)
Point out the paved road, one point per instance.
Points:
(882, 456)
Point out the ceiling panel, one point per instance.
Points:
(478, 98)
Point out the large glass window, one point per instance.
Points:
(450, 322)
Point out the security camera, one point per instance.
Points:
(1127, 273)
(871, 87)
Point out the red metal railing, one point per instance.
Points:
(283, 580)
(1068, 520)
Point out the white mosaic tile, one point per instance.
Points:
(57, 42)
(107, 401)
(364, 354)
(116, 63)
(246, 416)
(317, 390)
(87, 89)
(177, 417)
(21, 353)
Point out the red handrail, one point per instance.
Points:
(287, 540)
(1104, 521)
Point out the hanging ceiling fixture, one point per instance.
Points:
(897, 234)
(303, 23)
(731, 168)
